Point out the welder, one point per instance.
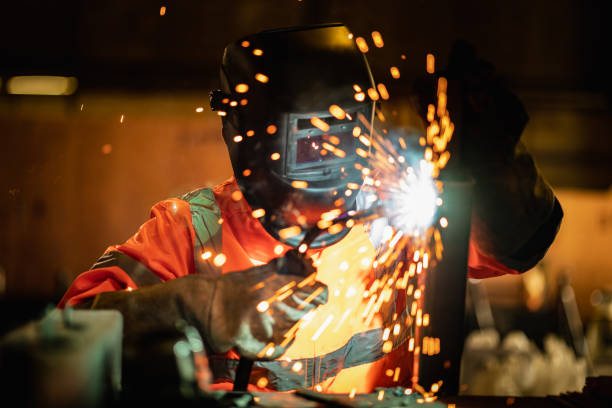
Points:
(213, 256)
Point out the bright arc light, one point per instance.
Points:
(41, 85)
(413, 207)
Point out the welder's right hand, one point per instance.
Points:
(225, 309)
(491, 117)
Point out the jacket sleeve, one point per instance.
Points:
(515, 217)
(162, 249)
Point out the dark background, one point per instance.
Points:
(76, 178)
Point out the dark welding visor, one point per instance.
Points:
(294, 157)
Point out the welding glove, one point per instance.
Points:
(225, 309)
(515, 214)
(490, 118)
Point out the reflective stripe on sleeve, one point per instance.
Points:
(140, 273)
(205, 216)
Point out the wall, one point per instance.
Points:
(76, 181)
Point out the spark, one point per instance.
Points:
(360, 97)
(257, 52)
(245, 44)
(238, 138)
(381, 395)
(219, 260)
(275, 156)
(442, 84)
(343, 318)
(431, 61)
(246, 172)
(250, 133)
(357, 88)
(395, 73)
(377, 38)
(443, 222)
(386, 333)
(382, 90)
(302, 248)
(271, 129)
(162, 11)
(335, 229)
(261, 78)
(323, 327)
(258, 213)
(396, 374)
(262, 306)
(297, 367)
(324, 224)
(121, 119)
(373, 94)
(362, 44)
(318, 123)
(441, 104)
(206, 255)
(257, 286)
(237, 195)
(199, 109)
(241, 88)
(289, 232)
(337, 112)
(263, 381)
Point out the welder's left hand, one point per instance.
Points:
(225, 308)
(237, 322)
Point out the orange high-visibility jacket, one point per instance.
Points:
(186, 235)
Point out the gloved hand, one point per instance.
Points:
(489, 118)
(515, 214)
(224, 309)
(234, 320)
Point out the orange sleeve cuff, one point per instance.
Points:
(481, 266)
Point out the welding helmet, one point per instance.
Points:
(291, 156)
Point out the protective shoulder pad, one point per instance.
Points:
(205, 217)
